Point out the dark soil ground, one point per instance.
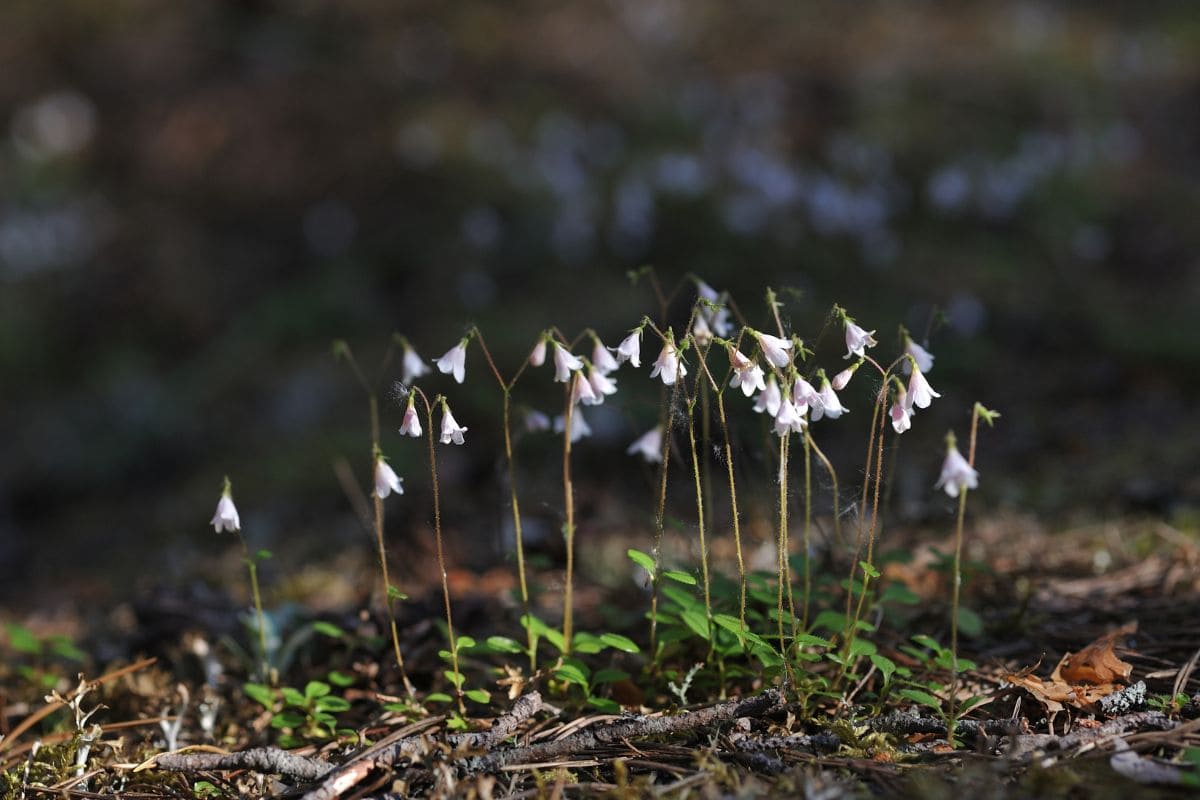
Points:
(168, 675)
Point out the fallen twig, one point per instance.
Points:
(260, 759)
(616, 733)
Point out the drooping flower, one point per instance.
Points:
(537, 356)
(920, 393)
(630, 349)
(602, 385)
(842, 379)
(901, 411)
(226, 518)
(411, 424)
(768, 399)
(957, 474)
(701, 331)
(789, 419)
(451, 430)
(602, 360)
(830, 405)
(386, 479)
(715, 319)
(858, 340)
(564, 363)
(923, 357)
(536, 421)
(414, 366)
(774, 348)
(579, 425)
(805, 397)
(582, 392)
(668, 366)
(648, 446)
(455, 361)
(746, 373)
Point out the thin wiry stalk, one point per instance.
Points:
(660, 516)
(510, 460)
(837, 512)
(569, 525)
(782, 538)
(441, 557)
(700, 517)
(373, 410)
(952, 713)
(252, 566)
(737, 527)
(807, 529)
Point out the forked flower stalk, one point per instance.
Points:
(342, 349)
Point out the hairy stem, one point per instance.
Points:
(668, 417)
(569, 525)
(807, 529)
(441, 556)
(737, 528)
(700, 517)
(252, 566)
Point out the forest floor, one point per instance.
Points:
(166, 706)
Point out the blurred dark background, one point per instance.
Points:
(196, 198)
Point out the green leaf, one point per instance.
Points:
(340, 679)
(862, 647)
(332, 703)
(924, 698)
(587, 643)
(885, 665)
(395, 594)
(261, 694)
(680, 596)
(63, 647)
(609, 676)
(438, 697)
(263, 555)
(696, 621)
(971, 702)
(465, 643)
(543, 630)
(680, 577)
(869, 569)
(969, 622)
(455, 678)
(328, 629)
(503, 644)
(22, 639)
(571, 673)
(899, 593)
(287, 719)
(619, 642)
(927, 641)
(293, 697)
(482, 696)
(605, 705)
(809, 640)
(643, 560)
(316, 689)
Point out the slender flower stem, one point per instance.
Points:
(441, 556)
(952, 713)
(569, 525)
(252, 566)
(373, 411)
(807, 528)
(506, 389)
(691, 407)
(782, 538)
(668, 416)
(837, 515)
(737, 527)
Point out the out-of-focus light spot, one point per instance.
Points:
(949, 188)
(53, 126)
(34, 241)
(329, 228)
(476, 289)
(656, 21)
(966, 314)
(574, 231)
(482, 227)
(490, 142)
(743, 213)
(605, 144)
(633, 217)
(1090, 243)
(680, 173)
(418, 145)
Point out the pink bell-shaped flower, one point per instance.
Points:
(455, 361)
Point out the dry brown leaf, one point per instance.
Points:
(1081, 679)
(1098, 662)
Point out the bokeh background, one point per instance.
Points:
(197, 198)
